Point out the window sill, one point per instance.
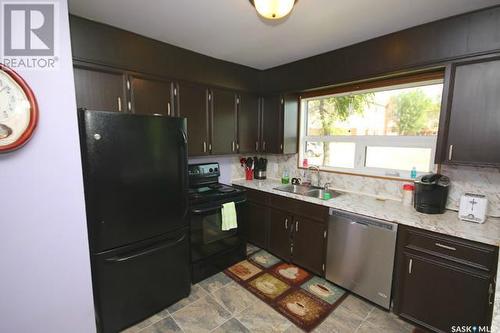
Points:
(360, 174)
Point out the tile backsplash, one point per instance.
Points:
(463, 179)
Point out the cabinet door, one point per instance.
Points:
(150, 96)
(280, 224)
(441, 295)
(290, 123)
(271, 125)
(100, 90)
(193, 105)
(248, 123)
(474, 129)
(309, 244)
(254, 220)
(223, 105)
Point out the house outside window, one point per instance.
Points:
(385, 128)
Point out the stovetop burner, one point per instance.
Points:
(205, 186)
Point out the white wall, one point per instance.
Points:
(45, 283)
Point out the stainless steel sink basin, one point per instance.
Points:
(295, 189)
(308, 191)
(320, 193)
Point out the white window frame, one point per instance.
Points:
(363, 141)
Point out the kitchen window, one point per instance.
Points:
(380, 128)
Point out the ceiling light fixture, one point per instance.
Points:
(273, 9)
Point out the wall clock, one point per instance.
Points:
(18, 110)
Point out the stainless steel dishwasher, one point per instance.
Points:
(360, 255)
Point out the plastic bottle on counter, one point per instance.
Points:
(408, 194)
(285, 178)
(413, 173)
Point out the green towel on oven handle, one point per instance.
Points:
(229, 220)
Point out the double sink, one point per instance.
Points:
(309, 191)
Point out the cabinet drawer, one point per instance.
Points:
(257, 197)
(473, 254)
(299, 208)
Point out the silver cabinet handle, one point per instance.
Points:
(204, 147)
(210, 147)
(120, 104)
(286, 223)
(410, 264)
(256, 145)
(296, 226)
(281, 147)
(264, 145)
(232, 146)
(450, 153)
(129, 106)
(446, 246)
(237, 146)
(168, 108)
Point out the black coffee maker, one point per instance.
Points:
(431, 193)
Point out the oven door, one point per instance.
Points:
(207, 236)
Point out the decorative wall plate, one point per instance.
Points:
(18, 110)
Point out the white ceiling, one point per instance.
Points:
(231, 30)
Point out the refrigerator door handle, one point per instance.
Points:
(146, 251)
(185, 173)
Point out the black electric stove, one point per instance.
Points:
(212, 249)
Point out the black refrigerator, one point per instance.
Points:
(135, 177)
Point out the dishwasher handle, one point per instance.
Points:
(364, 220)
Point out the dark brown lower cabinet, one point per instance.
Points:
(439, 295)
(277, 224)
(254, 222)
(442, 281)
(309, 242)
(280, 233)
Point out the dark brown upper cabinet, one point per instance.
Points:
(248, 123)
(101, 90)
(223, 114)
(192, 103)
(279, 124)
(150, 96)
(270, 130)
(471, 134)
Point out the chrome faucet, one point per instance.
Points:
(326, 187)
(315, 168)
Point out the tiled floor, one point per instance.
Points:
(218, 304)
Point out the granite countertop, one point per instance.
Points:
(394, 211)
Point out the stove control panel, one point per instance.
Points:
(203, 170)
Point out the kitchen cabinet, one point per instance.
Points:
(280, 233)
(473, 108)
(442, 281)
(254, 220)
(248, 123)
(98, 89)
(192, 103)
(309, 243)
(150, 96)
(291, 229)
(271, 129)
(223, 112)
(279, 124)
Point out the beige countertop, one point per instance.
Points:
(394, 211)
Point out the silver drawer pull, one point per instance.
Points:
(286, 224)
(446, 247)
(410, 265)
